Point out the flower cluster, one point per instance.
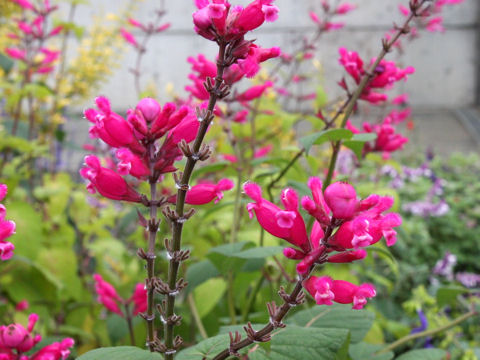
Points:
(7, 228)
(108, 297)
(387, 140)
(146, 29)
(15, 341)
(218, 19)
(38, 58)
(384, 76)
(329, 11)
(358, 224)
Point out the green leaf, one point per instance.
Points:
(448, 295)
(357, 142)
(293, 342)
(208, 294)
(117, 328)
(223, 257)
(362, 351)
(6, 63)
(200, 272)
(207, 349)
(423, 354)
(212, 168)
(259, 252)
(336, 317)
(38, 90)
(120, 353)
(323, 136)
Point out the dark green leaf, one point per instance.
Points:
(323, 136)
(448, 295)
(363, 351)
(207, 349)
(6, 63)
(336, 317)
(199, 273)
(120, 353)
(357, 142)
(423, 354)
(259, 252)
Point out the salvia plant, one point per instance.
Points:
(156, 157)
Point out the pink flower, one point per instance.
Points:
(24, 4)
(129, 37)
(263, 151)
(139, 298)
(131, 164)
(341, 199)
(15, 336)
(271, 218)
(345, 8)
(254, 92)
(107, 182)
(205, 192)
(22, 305)
(241, 116)
(107, 295)
(6, 250)
(325, 290)
(16, 53)
(55, 351)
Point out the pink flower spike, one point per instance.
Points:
(135, 23)
(263, 151)
(314, 17)
(163, 27)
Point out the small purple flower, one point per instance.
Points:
(444, 267)
(469, 280)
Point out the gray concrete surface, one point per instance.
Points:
(447, 65)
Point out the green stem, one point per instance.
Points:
(283, 172)
(425, 333)
(128, 316)
(251, 299)
(231, 299)
(196, 316)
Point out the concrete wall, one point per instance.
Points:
(447, 66)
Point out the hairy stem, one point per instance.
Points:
(152, 234)
(180, 204)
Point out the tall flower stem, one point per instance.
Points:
(150, 256)
(179, 218)
(367, 77)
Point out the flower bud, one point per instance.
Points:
(341, 198)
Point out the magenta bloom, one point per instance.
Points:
(7, 228)
(205, 192)
(15, 336)
(107, 182)
(139, 298)
(254, 92)
(55, 351)
(386, 74)
(129, 37)
(219, 19)
(325, 290)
